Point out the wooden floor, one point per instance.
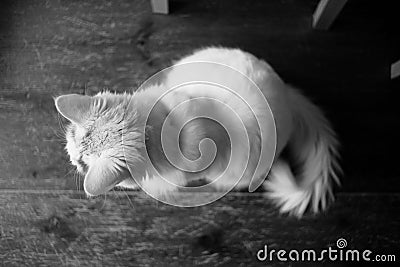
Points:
(48, 48)
(51, 228)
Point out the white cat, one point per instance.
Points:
(106, 135)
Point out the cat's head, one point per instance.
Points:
(103, 131)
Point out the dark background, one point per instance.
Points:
(48, 48)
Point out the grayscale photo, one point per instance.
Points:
(199, 133)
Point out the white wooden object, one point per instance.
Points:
(160, 6)
(326, 12)
(395, 70)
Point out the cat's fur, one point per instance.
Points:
(106, 135)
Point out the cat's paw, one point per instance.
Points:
(129, 183)
(157, 186)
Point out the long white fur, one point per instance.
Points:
(302, 129)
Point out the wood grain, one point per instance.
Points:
(64, 228)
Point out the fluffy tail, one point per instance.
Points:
(313, 150)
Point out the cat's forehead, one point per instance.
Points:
(95, 138)
(101, 130)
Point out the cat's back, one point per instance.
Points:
(229, 62)
(235, 58)
(239, 71)
(232, 68)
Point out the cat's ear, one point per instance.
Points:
(73, 107)
(102, 176)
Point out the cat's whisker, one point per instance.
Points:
(60, 134)
(104, 202)
(69, 172)
(76, 177)
(126, 194)
(79, 182)
(61, 124)
(51, 140)
(115, 193)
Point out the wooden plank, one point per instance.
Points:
(395, 70)
(160, 6)
(49, 228)
(326, 13)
